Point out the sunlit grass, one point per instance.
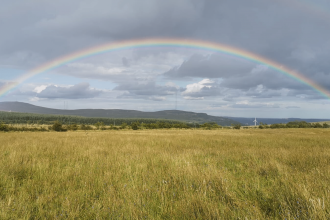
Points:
(166, 174)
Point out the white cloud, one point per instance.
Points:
(197, 87)
(39, 89)
(199, 90)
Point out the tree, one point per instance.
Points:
(325, 125)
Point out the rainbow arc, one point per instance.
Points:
(162, 42)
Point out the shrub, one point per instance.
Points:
(99, 125)
(86, 127)
(237, 126)
(57, 126)
(73, 127)
(317, 125)
(210, 125)
(135, 125)
(123, 125)
(4, 127)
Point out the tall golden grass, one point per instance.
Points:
(166, 174)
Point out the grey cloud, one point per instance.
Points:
(292, 107)
(117, 19)
(242, 76)
(273, 29)
(263, 93)
(125, 62)
(254, 106)
(209, 66)
(157, 98)
(34, 32)
(307, 94)
(148, 90)
(79, 91)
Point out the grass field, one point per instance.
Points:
(166, 174)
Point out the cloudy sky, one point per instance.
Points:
(294, 33)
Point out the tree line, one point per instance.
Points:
(295, 124)
(13, 118)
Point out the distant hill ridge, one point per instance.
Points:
(118, 113)
(249, 121)
(167, 114)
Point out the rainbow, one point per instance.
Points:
(185, 43)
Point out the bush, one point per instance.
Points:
(57, 126)
(317, 125)
(99, 125)
(73, 127)
(123, 125)
(273, 126)
(4, 127)
(237, 126)
(135, 125)
(325, 125)
(86, 127)
(210, 125)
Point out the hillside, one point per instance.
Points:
(118, 113)
(249, 121)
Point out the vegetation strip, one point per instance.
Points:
(166, 174)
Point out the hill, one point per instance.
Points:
(249, 121)
(118, 113)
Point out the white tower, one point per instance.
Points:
(255, 121)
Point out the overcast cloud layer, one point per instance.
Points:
(293, 33)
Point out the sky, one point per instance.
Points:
(293, 33)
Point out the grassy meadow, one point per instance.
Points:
(166, 174)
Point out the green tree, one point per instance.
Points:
(325, 125)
